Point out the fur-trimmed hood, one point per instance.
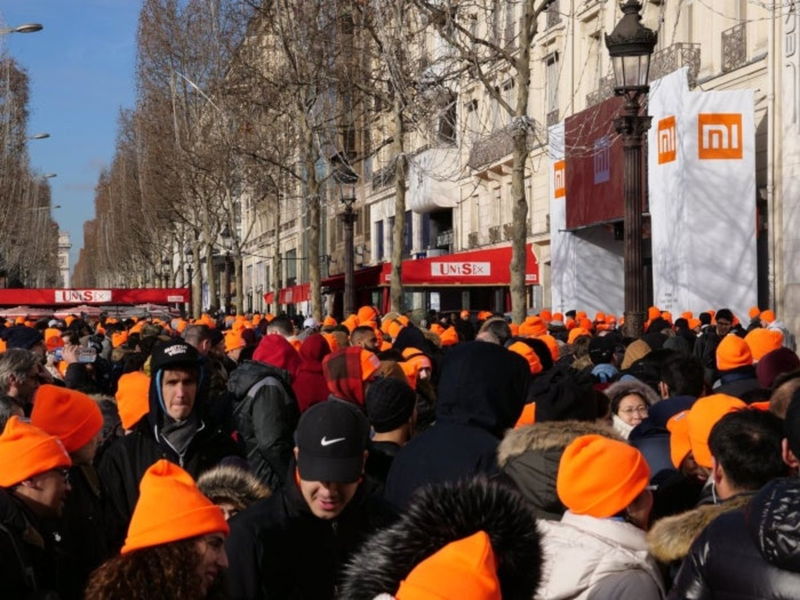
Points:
(546, 436)
(632, 386)
(442, 514)
(232, 484)
(671, 537)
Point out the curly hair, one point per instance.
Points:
(165, 571)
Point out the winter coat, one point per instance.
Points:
(265, 418)
(126, 459)
(309, 385)
(580, 552)
(529, 457)
(670, 538)
(442, 514)
(481, 393)
(278, 549)
(739, 383)
(28, 555)
(748, 554)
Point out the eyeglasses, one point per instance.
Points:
(641, 410)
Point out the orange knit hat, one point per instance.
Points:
(367, 315)
(369, 364)
(465, 569)
(574, 334)
(552, 345)
(532, 326)
(514, 329)
(435, 328)
(529, 355)
(599, 477)
(679, 446)
(753, 312)
(733, 352)
(351, 322)
(694, 323)
(768, 316)
(234, 340)
(653, 313)
(688, 315)
(329, 321)
(331, 339)
(449, 337)
(546, 315)
(763, 341)
(704, 414)
(170, 508)
(416, 356)
(118, 338)
(132, 396)
(53, 339)
(71, 416)
(26, 450)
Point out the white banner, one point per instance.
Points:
(562, 276)
(702, 195)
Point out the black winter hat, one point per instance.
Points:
(563, 393)
(22, 336)
(173, 354)
(389, 404)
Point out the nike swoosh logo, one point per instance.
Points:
(326, 442)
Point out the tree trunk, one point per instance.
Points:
(313, 206)
(197, 284)
(238, 276)
(213, 303)
(276, 257)
(398, 232)
(519, 235)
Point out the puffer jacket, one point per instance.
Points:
(529, 457)
(583, 553)
(265, 418)
(748, 554)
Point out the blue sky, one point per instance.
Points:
(81, 69)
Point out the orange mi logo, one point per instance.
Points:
(667, 140)
(560, 178)
(719, 135)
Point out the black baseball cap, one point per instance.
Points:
(331, 438)
(175, 354)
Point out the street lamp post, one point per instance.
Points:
(25, 28)
(631, 46)
(189, 281)
(347, 178)
(227, 239)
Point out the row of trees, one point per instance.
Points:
(28, 234)
(269, 103)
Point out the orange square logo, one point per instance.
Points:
(719, 136)
(560, 178)
(667, 140)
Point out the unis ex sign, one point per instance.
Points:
(81, 296)
(461, 269)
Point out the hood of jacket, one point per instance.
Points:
(773, 521)
(250, 372)
(313, 349)
(671, 538)
(155, 417)
(483, 385)
(442, 514)
(529, 456)
(275, 350)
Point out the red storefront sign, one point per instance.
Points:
(489, 266)
(54, 297)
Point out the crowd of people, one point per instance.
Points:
(457, 456)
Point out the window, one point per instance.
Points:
(390, 245)
(290, 267)
(551, 81)
(408, 234)
(426, 231)
(379, 240)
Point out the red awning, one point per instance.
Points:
(56, 297)
(363, 278)
(488, 266)
(294, 294)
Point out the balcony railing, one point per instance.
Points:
(675, 56)
(734, 47)
(444, 239)
(499, 144)
(604, 91)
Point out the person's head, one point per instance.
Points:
(495, 331)
(364, 336)
(724, 318)
(733, 353)
(390, 407)
(746, 451)
(602, 478)
(348, 373)
(9, 407)
(171, 509)
(71, 416)
(23, 337)
(199, 336)
(701, 418)
(232, 488)
(330, 450)
(783, 389)
(175, 367)
(234, 344)
(681, 376)
(632, 408)
(35, 467)
(19, 374)
(281, 325)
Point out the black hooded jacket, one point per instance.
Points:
(748, 554)
(124, 462)
(265, 419)
(278, 549)
(481, 393)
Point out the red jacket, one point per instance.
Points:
(309, 385)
